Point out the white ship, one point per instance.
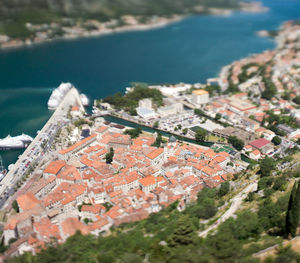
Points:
(84, 100)
(18, 142)
(58, 95)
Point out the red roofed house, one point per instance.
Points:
(262, 145)
(156, 157)
(27, 201)
(255, 154)
(148, 183)
(53, 168)
(66, 153)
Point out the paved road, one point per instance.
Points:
(35, 152)
(235, 204)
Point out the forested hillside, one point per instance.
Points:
(173, 236)
(106, 9)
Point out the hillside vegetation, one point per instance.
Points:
(173, 236)
(14, 14)
(106, 9)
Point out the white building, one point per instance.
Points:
(145, 109)
(170, 110)
(200, 96)
(146, 113)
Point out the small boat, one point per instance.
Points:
(84, 100)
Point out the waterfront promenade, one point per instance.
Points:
(37, 150)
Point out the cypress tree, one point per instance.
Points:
(296, 210)
(292, 215)
(109, 156)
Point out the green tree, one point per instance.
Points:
(297, 100)
(267, 165)
(184, 233)
(264, 183)
(250, 197)
(236, 143)
(15, 206)
(269, 214)
(185, 131)
(293, 212)
(199, 112)
(280, 183)
(109, 156)
(224, 189)
(270, 89)
(200, 135)
(276, 140)
(155, 125)
(134, 133)
(158, 141)
(218, 116)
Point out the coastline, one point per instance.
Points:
(131, 25)
(161, 22)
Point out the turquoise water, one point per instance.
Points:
(190, 51)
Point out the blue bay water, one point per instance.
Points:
(189, 51)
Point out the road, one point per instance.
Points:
(35, 152)
(235, 205)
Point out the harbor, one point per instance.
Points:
(37, 151)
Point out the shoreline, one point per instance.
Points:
(132, 26)
(163, 22)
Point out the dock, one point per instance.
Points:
(37, 150)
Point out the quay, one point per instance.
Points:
(37, 150)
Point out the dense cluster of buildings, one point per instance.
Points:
(80, 191)
(281, 66)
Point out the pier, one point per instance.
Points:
(37, 150)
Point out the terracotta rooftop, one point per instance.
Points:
(78, 144)
(54, 167)
(149, 180)
(154, 154)
(27, 201)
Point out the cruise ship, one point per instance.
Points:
(58, 95)
(18, 142)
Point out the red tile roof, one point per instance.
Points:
(259, 143)
(149, 180)
(78, 144)
(54, 167)
(154, 154)
(27, 201)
